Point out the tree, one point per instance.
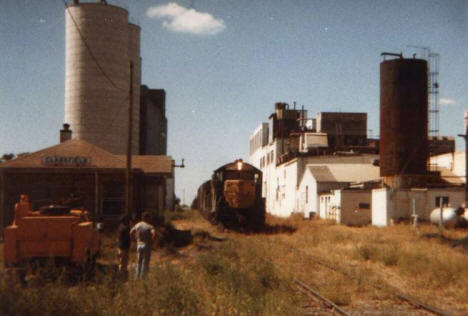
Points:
(6, 157)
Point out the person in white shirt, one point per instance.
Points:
(144, 234)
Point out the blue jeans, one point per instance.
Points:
(144, 255)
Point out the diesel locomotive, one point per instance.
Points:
(233, 197)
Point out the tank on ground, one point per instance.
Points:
(450, 216)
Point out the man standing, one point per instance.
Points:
(124, 244)
(144, 234)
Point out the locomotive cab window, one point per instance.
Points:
(236, 175)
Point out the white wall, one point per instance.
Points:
(380, 207)
(284, 194)
(455, 162)
(389, 205)
(308, 199)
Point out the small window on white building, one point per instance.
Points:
(307, 194)
(441, 200)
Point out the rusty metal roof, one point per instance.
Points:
(345, 172)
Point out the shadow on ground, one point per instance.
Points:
(279, 229)
(178, 238)
(461, 243)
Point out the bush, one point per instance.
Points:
(390, 255)
(365, 252)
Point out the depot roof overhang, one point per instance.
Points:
(79, 156)
(69, 170)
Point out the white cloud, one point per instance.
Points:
(447, 101)
(180, 19)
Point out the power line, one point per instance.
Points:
(89, 50)
(119, 108)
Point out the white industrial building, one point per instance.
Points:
(391, 206)
(299, 165)
(338, 173)
(336, 178)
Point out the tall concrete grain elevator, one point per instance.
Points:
(403, 121)
(100, 45)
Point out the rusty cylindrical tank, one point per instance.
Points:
(403, 117)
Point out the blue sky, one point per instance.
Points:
(223, 76)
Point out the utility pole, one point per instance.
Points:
(182, 165)
(128, 175)
(464, 136)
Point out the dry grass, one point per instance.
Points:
(212, 277)
(227, 278)
(396, 256)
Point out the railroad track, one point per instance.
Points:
(320, 305)
(419, 307)
(314, 309)
(381, 286)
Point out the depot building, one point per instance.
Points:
(87, 173)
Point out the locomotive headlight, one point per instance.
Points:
(239, 165)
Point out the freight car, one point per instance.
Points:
(233, 197)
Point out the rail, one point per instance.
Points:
(394, 291)
(314, 292)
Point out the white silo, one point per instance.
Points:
(100, 43)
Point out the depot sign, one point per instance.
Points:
(66, 161)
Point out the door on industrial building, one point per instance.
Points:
(112, 199)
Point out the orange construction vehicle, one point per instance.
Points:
(52, 232)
